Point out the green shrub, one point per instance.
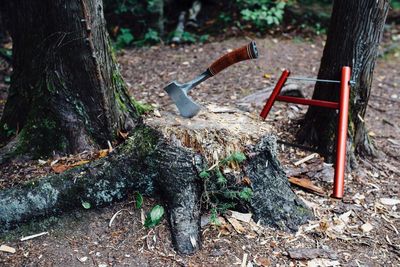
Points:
(262, 13)
(124, 38)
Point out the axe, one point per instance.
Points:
(178, 92)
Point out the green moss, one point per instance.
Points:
(141, 108)
(41, 136)
(143, 141)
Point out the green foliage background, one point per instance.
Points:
(138, 22)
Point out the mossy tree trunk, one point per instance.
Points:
(353, 38)
(66, 92)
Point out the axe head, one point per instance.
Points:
(178, 92)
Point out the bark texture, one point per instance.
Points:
(353, 38)
(66, 92)
(165, 162)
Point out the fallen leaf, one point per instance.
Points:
(103, 153)
(8, 249)
(236, 225)
(81, 162)
(124, 135)
(246, 180)
(59, 168)
(261, 261)
(307, 184)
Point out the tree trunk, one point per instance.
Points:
(165, 161)
(353, 38)
(66, 92)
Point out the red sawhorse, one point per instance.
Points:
(342, 105)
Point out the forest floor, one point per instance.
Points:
(360, 230)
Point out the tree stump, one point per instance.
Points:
(166, 157)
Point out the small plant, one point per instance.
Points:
(124, 38)
(138, 200)
(218, 193)
(9, 132)
(86, 205)
(151, 36)
(154, 216)
(263, 13)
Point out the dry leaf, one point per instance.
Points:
(81, 162)
(261, 261)
(103, 153)
(236, 225)
(59, 168)
(246, 180)
(307, 184)
(124, 135)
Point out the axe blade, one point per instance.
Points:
(186, 106)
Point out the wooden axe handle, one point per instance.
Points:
(248, 51)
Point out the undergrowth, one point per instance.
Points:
(220, 194)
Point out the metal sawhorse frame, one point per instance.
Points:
(342, 106)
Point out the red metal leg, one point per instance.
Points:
(338, 183)
(275, 93)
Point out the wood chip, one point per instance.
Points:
(313, 155)
(366, 227)
(34, 236)
(236, 225)
(83, 259)
(389, 201)
(307, 184)
(243, 217)
(113, 217)
(244, 260)
(8, 249)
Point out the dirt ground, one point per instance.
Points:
(361, 230)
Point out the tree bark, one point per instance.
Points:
(165, 161)
(353, 38)
(66, 91)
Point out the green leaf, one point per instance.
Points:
(154, 216)
(86, 205)
(214, 217)
(187, 37)
(236, 156)
(203, 38)
(138, 200)
(204, 175)
(221, 180)
(246, 194)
